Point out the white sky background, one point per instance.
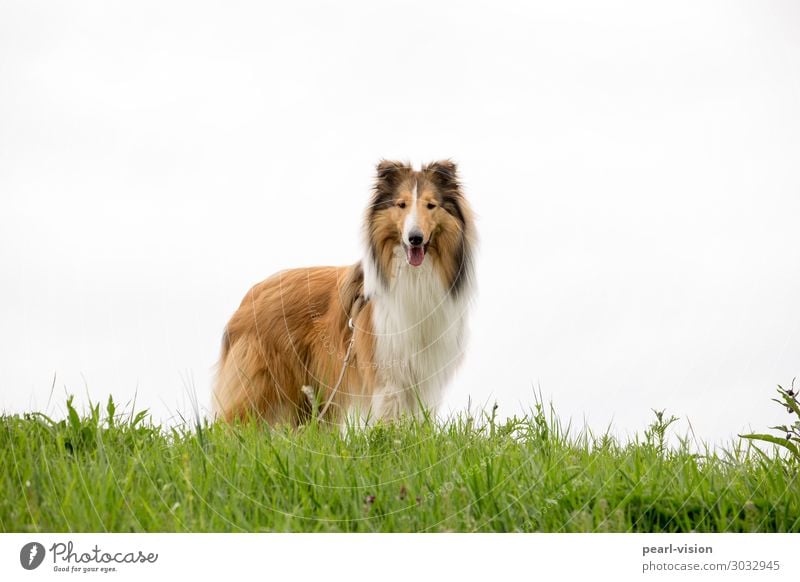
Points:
(634, 169)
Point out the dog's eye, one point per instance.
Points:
(401, 204)
(431, 205)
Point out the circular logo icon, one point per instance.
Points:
(31, 555)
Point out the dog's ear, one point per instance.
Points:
(444, 173)
(388, 173)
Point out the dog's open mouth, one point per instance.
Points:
(416, 254)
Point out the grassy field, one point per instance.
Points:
(106, 471)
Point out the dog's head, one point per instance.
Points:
(423, 216)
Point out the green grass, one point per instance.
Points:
(106, 471)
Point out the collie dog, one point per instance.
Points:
(373, 340)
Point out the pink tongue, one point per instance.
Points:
(416, 255)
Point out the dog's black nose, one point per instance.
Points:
(415, 238)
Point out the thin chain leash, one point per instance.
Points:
(346, 359)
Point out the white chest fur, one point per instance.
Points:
(420, 337)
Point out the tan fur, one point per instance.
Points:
(289, 331)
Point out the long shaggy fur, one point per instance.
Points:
(291, 330)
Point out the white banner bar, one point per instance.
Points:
(386, 557)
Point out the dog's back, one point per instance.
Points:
(285, 334)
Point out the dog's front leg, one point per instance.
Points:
(390, 402)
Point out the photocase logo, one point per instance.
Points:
(31, 555)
